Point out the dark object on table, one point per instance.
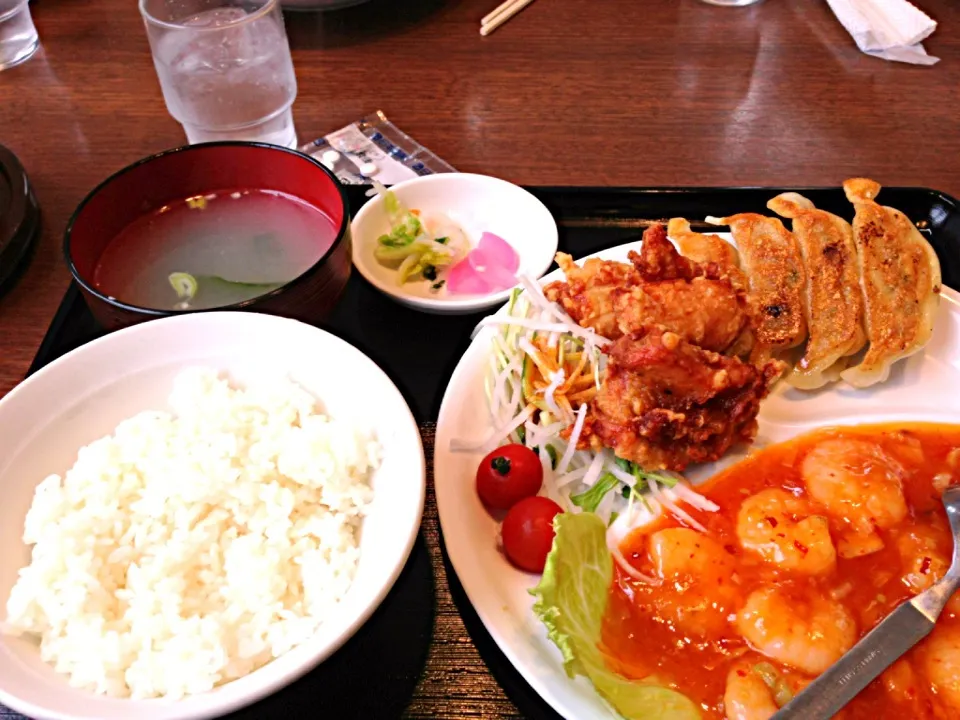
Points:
(19, 219)
(465, 674)
(194, 171)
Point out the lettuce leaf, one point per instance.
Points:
(571, 601)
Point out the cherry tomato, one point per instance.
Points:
(527, 532)
(508, 475)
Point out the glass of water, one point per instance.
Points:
(224, 68)
(18, 36)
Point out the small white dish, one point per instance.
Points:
(83, 395)
(475, 203)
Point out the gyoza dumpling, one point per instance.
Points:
(771, 258)
(833, 299)
(900, 279)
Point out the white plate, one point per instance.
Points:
(477, 204)
(86, 393)
(917, 390)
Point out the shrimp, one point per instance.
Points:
(807, 632)
(747, 696)
(901, 682)
(924, 562)
(941, 663)
(924, 553)
(700, 575)
(781, 528)
(860, 485)
(911, 691)
(757, 690)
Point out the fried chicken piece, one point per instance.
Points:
(661, 288)
(708, 313)
(664, 403)
(588, 293)
(703, 249)
(659, 260)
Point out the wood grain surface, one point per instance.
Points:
(617, 92)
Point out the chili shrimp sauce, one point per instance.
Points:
(815, 541)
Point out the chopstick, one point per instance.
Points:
(501, 14)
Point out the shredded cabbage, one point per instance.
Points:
(408, 246)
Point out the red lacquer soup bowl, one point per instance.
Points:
(127, 232)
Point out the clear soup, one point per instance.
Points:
(235, 244)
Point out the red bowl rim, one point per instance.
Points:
(157, 312)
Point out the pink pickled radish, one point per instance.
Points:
(497, 277)
(496, 251)
(489, 267)
(462, 279)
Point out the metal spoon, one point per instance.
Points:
(901, 630)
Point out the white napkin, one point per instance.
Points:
(888, 29)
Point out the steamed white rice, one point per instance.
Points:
(190, 548)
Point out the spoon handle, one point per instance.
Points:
(877, 650)
(825, 696)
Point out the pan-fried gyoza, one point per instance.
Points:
(772, 261)
(900, 278)
(833, 301)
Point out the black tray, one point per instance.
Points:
(380, 671)
(419, 351)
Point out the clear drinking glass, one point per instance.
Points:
(18, 36)
(224, 68)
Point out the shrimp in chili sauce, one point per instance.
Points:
(855, 491)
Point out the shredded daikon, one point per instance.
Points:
(622, 475)
(572, 476)
(668, 500)
(615, 536)
(535, 293)
(587, 334)
(594, 470)
(545, 434)
(693, 498)
(574, 439)
(494, 438)
(556, 380)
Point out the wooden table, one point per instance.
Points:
(616, 92)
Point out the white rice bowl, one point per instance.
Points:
(285, 505)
